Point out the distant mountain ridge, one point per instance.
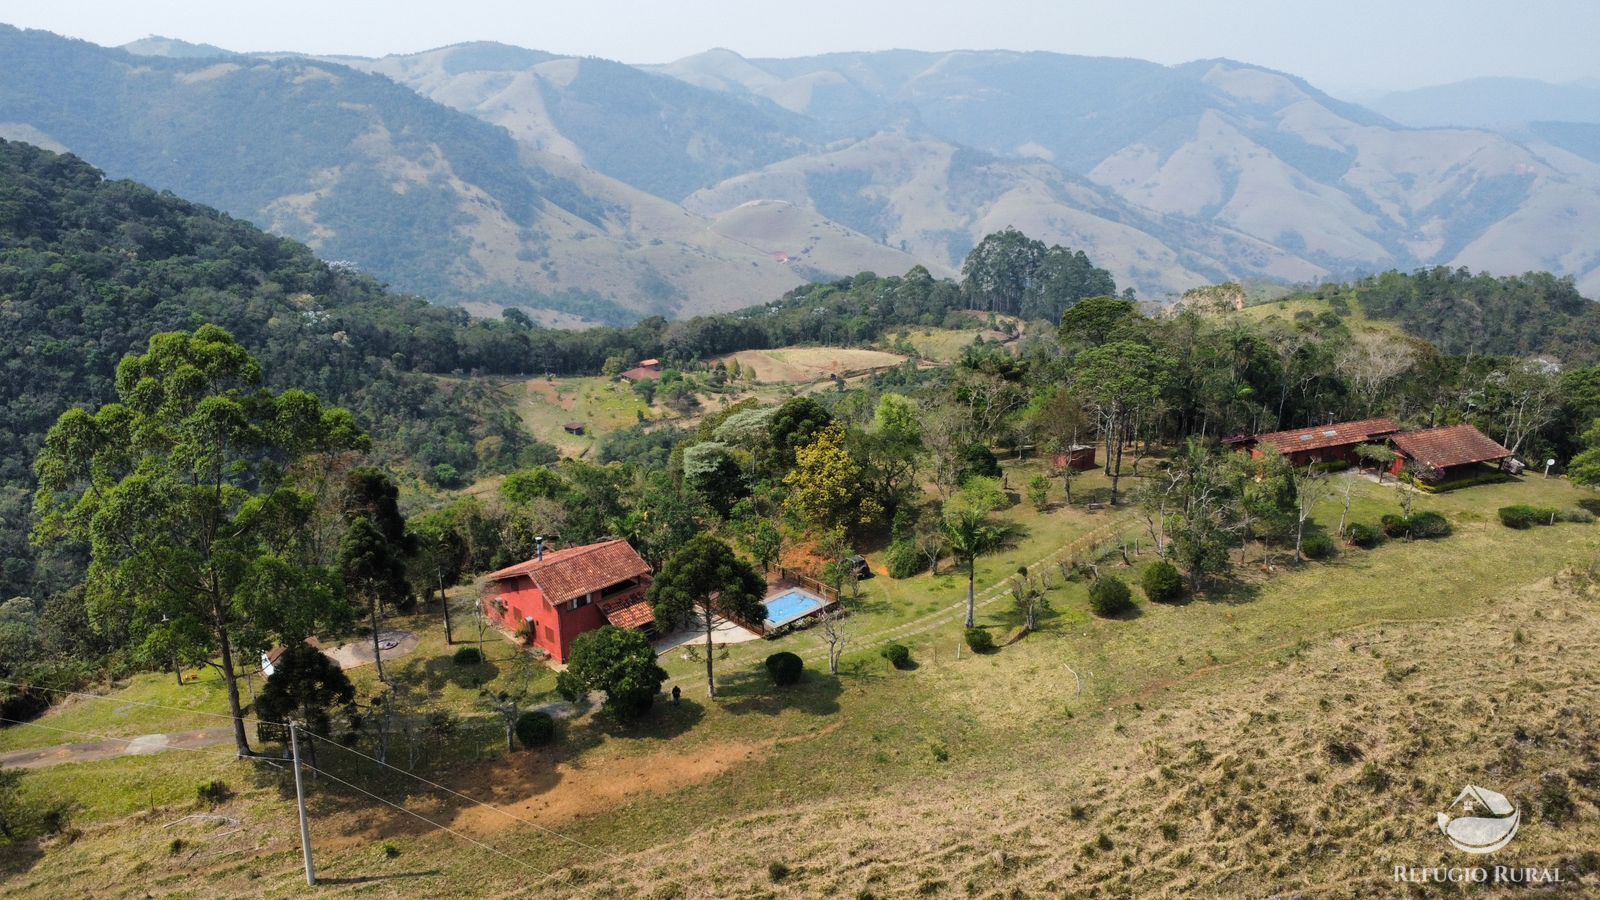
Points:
(1170, 176)
(431, 200)
(1496, 103)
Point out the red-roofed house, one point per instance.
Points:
(1438, 454)
(1320, 443)
(561, 594)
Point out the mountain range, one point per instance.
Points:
(487, 175)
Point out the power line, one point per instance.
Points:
(433, 784)
(453, 793)
(416, 815)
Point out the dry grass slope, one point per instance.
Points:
(1315, 774)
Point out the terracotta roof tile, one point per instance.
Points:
(628, 611)
(575, 571)
(1452, 445)
(1320, 436)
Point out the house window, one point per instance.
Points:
(585, 600)
(549, 633)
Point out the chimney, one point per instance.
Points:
(538, 544)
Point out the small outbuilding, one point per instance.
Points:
(647, 370)
(1078, 458)
(1443, 454)
(573, 428)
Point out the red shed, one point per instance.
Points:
(561, 594)
(1078, 458)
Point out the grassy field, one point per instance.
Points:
(805, 365)
(1059, 764)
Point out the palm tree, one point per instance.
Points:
(970, 534)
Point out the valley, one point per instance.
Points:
(493, 471)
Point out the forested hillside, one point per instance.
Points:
(90, 269)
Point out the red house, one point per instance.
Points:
(561, 594)
(1439, 454)
(1320, 443)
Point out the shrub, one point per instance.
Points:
(1109, 596)
(1521, 515)
(1318, 546)
(904, 560)
(1420, 525)
(468, 656)
(535, 729)
(1365, 536)
(1161, 582)
(980, 640)
(390, 851)
(777, 871)
(1590, 504)
(1575, 514)
(898, 655)
(1429, 525)
(785, 668)
(213, 792)
(524, 633)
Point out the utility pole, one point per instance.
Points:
(300, 801)
(444, 601)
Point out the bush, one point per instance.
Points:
(1420, 525)
(1365, 536)
(980, 640)
(777, 871)
(1161, 582)
(1521, 515)
(535, 729)
(1109, 596)
(904, 560)
(1429, 525)
(1590, 504)
(214, 792)
(785, 668)
(1317, 546)
(898, 655)
(1576, 514)
(468, 656)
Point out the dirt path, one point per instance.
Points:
(95, 751)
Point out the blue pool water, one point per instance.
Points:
(790, 605)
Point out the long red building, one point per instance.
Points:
(1320, 443)
(561, 594)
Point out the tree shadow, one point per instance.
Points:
(439, 671)
(19, 857)
(1228, 589)
(752, 691)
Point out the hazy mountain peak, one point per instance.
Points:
(174, 48)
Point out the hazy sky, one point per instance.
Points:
(1348, 46)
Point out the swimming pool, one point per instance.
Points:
(790, 605)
